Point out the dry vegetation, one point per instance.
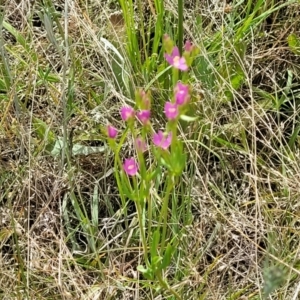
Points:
(243, 174)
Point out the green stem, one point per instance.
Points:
(118, 166)
(175, 76)
(180, 26)
(142, 31)
(139, 190)
(149, 201)
(174, 136)
(142, 230)
(164, 214)
(167, 287)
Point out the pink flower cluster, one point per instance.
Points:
(172, 110)
(162, 140)
(182, 97)
(159, 139)
(176, 60)
(173, 56)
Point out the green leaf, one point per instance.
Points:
(188, 118)
(49, 29)
(294, 137)
(156, 263)
(44, 132)
(267, 100)
(5, 234)
(294, 43)
(77, 149)
(274, 277)
(154, 243)
(21, 40)
(142, 269)
(3, 87)
(237, 80)
(117, 65)
(177, 159)
(95, 206)
(125, 186)
(148, 273)
(228, 145)
(203, 71)
(167, 256)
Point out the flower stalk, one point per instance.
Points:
(140, 174)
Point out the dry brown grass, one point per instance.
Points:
(243, 172)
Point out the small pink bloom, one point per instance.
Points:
(127, 113)
(181, 93)
(161, 140)
(143, 116)
(176, 61)
(188, 46)
(140, 145)
(130, 166)
(112, 132)
(171, 110)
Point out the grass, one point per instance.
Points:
(68, 230)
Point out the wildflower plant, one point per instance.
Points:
(139, 178)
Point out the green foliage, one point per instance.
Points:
(294, 43)
(21, 41)
(45, 134)
(274, 277)
(143, 45)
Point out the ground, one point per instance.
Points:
(63, 233)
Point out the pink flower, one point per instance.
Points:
(171, 110)
(112, 132)
(176, 61)
(143, 116)
(181, 93)
(140, 145)
(161, 140)
(130, 166)
(127, 113)
(188, 46)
